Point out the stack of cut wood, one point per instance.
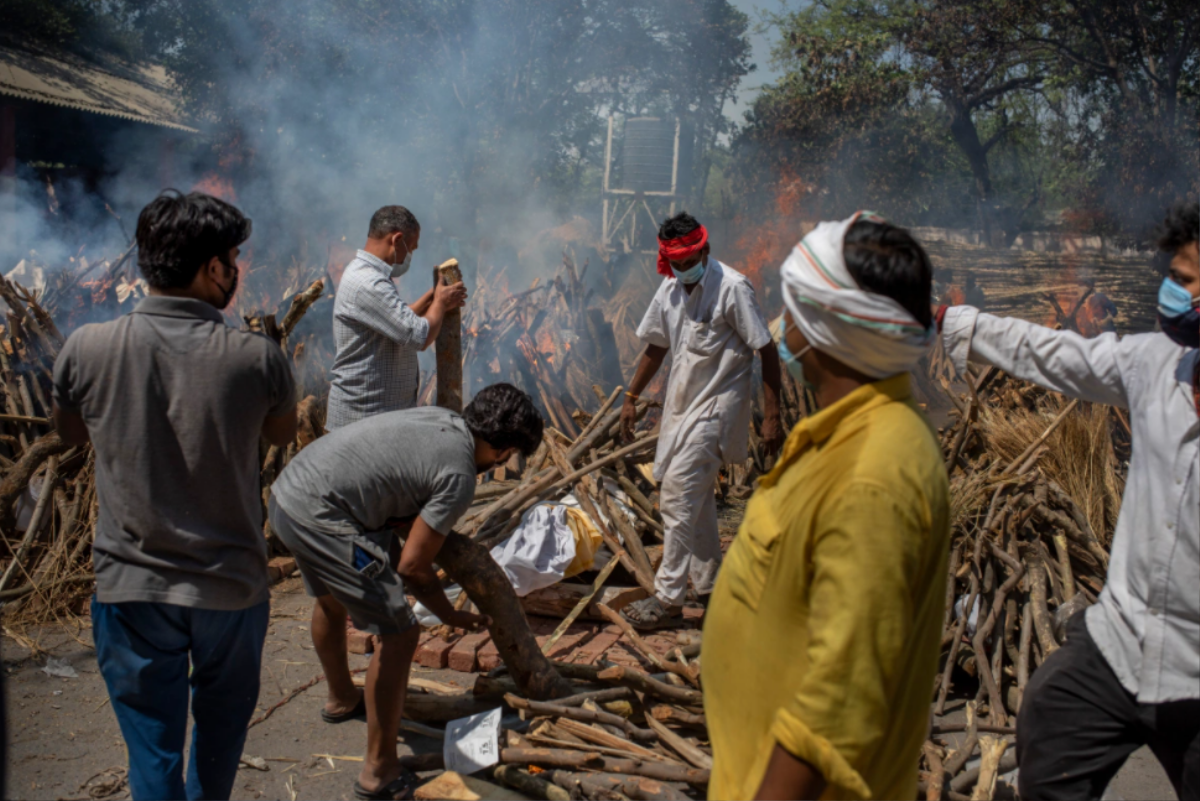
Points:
(546, 339)
(1035, 488)
(48, 503)
(47, 491)
(620, 733)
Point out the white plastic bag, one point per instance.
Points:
(472, 743)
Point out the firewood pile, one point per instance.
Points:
(1035, 489)
(48, 504)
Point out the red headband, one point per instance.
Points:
(679, 248)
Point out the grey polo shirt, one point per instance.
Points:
(174, 401)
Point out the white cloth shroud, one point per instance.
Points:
(539, 551)
(870, 332)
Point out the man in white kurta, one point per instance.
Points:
(706, 316)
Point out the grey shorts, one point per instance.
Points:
(353, 568)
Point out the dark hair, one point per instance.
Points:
(177, 234)
(681, 224)
(886, 259)
(504, 417)
(1181, 226)
(391, 219)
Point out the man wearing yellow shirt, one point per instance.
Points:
(821, 641)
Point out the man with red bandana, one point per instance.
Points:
(706, 316)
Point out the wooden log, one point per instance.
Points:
(35, 526)
(438, 708)
(680, 745)
(636, 680)
(937, 772)
(631, 540)
(579, 606)
(1023, 653)
(561, 758)
(1041, 612)
(969, 778)
(959, 758)
(451, 786)
(644, 648)
(673, 714)
(577, 713)
(449, 345)
(24, 418)
(301, 303)
(529, 785)
(16, 479)
(608, 785)
(471, 566)
(595, 696)
(955, 643)
(597, 736)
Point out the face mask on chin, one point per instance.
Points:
(400, 268)
(1177, 314)
(791, 361)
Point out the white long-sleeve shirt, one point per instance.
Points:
(1147, 620)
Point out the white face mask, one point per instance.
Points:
(401, 268)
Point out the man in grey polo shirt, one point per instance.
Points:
(377, 334)
(336, 505)
(174, 402)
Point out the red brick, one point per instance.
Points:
(489, 656)
(566, 643)
(593, 649)
(436, 652)
(280, 568)
(462, 655)
(359, 642)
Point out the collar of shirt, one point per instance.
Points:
(707, 280)
(376, 262)
(819, 427)
(167, 306)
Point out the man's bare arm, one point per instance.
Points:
(421, 306)
(70, 426)
(772, 430)
(416, 569)
(281, 430)
(788, 778)
(651, 360)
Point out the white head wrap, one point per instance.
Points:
(870, 332)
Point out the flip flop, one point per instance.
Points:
(399, 788)
(651, 614)
(358, 713)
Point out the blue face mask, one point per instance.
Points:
(692, 275)
(792, 361)
(1177, 314)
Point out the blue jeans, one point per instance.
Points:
(143, 651)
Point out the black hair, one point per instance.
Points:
(504, 417)
(390, 219)
(177, 234)
(886, 259)
(1181, 226)
(681, 224)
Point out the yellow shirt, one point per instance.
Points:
(823, 631)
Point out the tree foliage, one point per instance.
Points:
(997, 114)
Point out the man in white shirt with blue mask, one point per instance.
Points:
(1128, 674)
(376, 333)
(706, 316)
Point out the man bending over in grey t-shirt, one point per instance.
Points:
(336, 506)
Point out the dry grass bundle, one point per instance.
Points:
(1079, 456)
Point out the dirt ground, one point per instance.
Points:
(65, 744)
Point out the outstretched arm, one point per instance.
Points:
(651, 360)
(1062, 361)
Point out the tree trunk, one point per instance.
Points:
(966, 136)
(472, 567)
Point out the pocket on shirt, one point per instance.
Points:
(748, 564)
(707, 339)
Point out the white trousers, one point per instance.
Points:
(692, 544)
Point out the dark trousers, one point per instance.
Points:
(145, 651)
(1078, 725)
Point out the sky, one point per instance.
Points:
(760, 43)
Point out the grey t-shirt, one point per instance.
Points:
(174, 402)
(391, 465)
